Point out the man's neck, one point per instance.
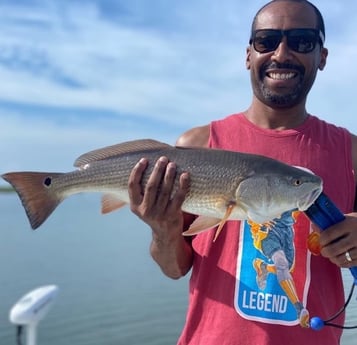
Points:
(276, 118)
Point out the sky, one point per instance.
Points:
(76, 75)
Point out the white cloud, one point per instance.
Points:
(120, 66)
(146, 63)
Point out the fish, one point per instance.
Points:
(224, 185)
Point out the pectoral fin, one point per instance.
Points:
(223, 221)
(201, 224)
(110, 203)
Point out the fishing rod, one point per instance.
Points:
(324, 213)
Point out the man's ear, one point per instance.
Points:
(323, 58)
(247, 59)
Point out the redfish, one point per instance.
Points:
(224, 185)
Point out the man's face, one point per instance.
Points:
(283, 77)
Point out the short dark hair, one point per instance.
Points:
(320, 19)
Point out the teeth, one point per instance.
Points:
(281, 76)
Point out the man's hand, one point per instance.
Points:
(339, 239)
(159, 205)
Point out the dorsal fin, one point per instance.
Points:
(118, 149)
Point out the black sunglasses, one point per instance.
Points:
(299, 40)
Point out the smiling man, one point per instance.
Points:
(279, 76)
(259, 284)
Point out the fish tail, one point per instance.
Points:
(36, 194)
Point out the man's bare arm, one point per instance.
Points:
(155, 206)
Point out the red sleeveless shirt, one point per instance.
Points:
(226, 307)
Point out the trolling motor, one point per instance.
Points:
(31, 309)
(324, 214)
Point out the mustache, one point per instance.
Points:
(276, 65)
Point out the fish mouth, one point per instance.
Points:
(310, 198)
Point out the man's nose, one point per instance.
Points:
(282, 53)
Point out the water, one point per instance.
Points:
(111, 292)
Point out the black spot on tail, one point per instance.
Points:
(47, 182)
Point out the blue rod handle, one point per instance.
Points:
(324, 213)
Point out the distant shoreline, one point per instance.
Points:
(5, 189)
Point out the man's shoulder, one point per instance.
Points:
(318, 121)
(196, 137)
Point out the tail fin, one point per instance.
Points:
(36, 194)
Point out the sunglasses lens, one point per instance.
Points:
(266, 41)
(302, 41)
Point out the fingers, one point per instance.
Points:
(347, 259)
(181, 193)
(160, 191)
(159, 185)
(337, 254)
(336, 247)
(338, 240)
(134, 182)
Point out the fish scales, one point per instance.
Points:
(208, 174)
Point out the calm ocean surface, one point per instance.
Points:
(111, 292)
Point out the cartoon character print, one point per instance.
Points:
(265, 289)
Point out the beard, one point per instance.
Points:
(291, 98)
